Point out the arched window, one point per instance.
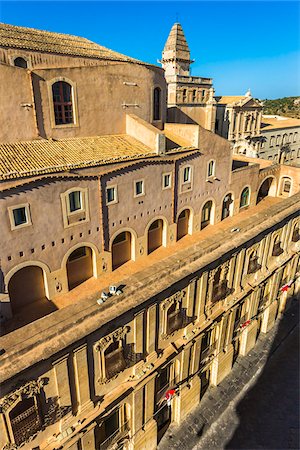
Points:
(227, 207)
(62, 103)
(157, 104)
(20, 62)
(211, 168)
(79, 266)
(121, 249)
(206, 217)
(245, 197)
(286, 186)
(183, 224)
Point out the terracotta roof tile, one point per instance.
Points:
(270, 123)
(32, 158)
(64, 44)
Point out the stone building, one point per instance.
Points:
(280, 139)
(238, 119)
(139, 258)
(190, 99)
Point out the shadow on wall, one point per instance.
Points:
(268, 414)
(175, 115)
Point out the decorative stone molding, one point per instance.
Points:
(141, 372)
(10, 446)
(29, 389)
(179, 296)
(117, 335)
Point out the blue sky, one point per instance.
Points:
(240, 44)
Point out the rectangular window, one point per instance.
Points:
(166, 180)
(20, 216)
(139, 188)
(75, 201)
(186, 174)
(111, 195)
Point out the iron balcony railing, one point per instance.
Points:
(207, 353)
(119, 360)
(176, 320)
(26, 424)
(120, 434)
(263, 301)
(161, 393)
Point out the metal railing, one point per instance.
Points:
(120, 433)
(160, 394)
(207, 353)
(26, 424)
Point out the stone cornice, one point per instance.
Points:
(71, 324)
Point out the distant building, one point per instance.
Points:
(190, 99)
(139, 258)
(280, 139)
(238, 119)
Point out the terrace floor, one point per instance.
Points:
(94, 287)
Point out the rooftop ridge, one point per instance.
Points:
(60, 43)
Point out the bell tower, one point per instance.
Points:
(176, 54)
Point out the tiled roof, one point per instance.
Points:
(271, 123)
(176, 40)
(230, 99)
(21, 159)
(65, 44)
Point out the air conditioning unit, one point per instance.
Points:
(113, 290)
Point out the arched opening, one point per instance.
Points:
(285, 187)
(26, 286)
(157, 104)
(121, 249)
(20, 62)
(265, 189)
(206, 214)
(227, 206)
(245, 197)
(211, 168)
(62, 103)
(155, 235)
(183, 224)
(25, 420)
(79, 266)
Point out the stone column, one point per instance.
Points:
(151, 329)
(139, 410)
(82, 377)
(88, 439)
(62, 381)
(238, 124)
(191, 297)
(139, 332)
(201, 297)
